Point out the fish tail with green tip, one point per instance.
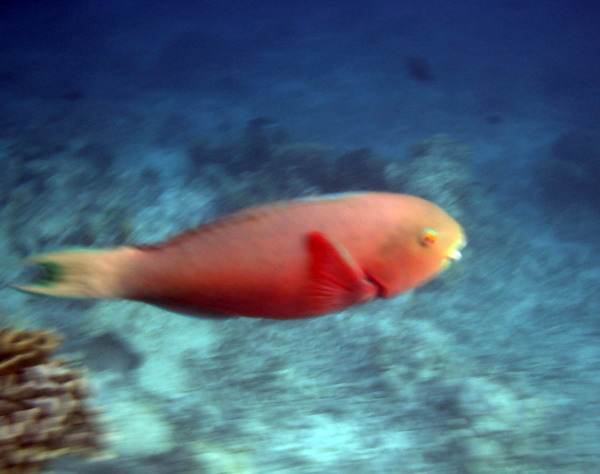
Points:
(78, 273)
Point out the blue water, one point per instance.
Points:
(128, 122)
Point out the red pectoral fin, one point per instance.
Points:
(337, 281)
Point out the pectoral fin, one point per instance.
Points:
(337, 281)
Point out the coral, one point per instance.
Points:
(19, 349)
(43, 410)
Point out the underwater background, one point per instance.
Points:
(127, 122)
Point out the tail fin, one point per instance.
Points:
(78, 274)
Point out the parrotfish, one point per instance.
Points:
(286, 260)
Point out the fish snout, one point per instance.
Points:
(454, 255)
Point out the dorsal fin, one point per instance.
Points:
(232, 218)
(255, 212)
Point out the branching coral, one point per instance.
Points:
(43, 411)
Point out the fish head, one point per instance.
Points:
(435, 241)
(426, 242)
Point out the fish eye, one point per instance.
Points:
(428, 237)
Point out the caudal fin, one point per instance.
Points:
(78, 274)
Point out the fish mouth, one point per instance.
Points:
(455, 254)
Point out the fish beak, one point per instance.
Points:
(454, 255)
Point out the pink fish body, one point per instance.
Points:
(291, 259)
